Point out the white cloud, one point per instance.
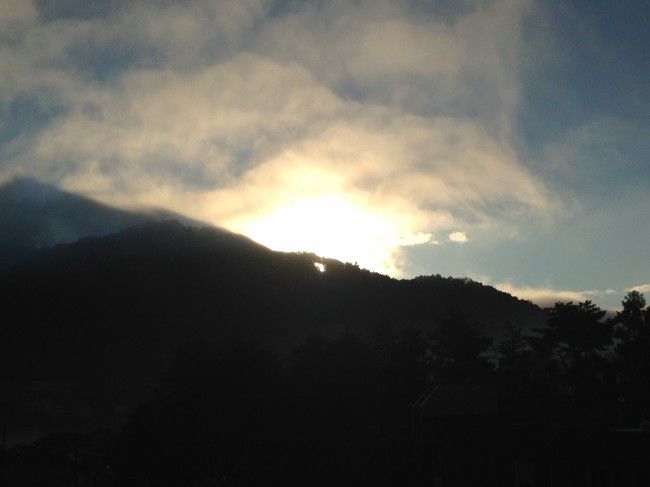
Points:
(458, 237)
(642, 288)
(548, 296)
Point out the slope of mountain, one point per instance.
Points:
(35, 215)
(94, 322)
(144, 290)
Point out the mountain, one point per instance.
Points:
(88, 326)
(35, 215)
(150, 287)
(212, 277)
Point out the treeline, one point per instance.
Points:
(581, 357)
(338, 411)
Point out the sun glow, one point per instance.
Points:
(331, 226)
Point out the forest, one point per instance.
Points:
(339, 410)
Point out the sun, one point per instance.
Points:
(330, 225)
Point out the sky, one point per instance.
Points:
(506, 140)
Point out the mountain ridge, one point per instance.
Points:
(90, 325)
(212, 256)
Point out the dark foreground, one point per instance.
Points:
(567, 406)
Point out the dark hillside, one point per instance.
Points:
(104, 315)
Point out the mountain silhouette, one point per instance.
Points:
(89, 325)
(34, 215)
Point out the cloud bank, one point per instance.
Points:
(642, 288)
(548, 296)
(238, 113)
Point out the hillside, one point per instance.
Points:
(150, 286)
(88, 326)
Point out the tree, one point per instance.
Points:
(576, 335)
(576, 332)
(216, 417)
(632, 328)
(525, 372)
(457, 348)
(633, 323)
(513, 353)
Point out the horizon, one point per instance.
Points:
(42, 194)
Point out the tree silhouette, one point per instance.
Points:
(214, 420)
(514, 356)
(633, 323)
(576, 334)
(456, 349)
(632, 328)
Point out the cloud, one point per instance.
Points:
(642, 288)
(14, 14)
(458, 237)
(235, 112)
(548, 296)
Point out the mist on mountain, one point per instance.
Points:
(34, 215)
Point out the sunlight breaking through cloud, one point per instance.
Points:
(346, 129)
(335, 227)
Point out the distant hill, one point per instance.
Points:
(35, 215)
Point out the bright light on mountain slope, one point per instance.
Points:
(334, 226)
